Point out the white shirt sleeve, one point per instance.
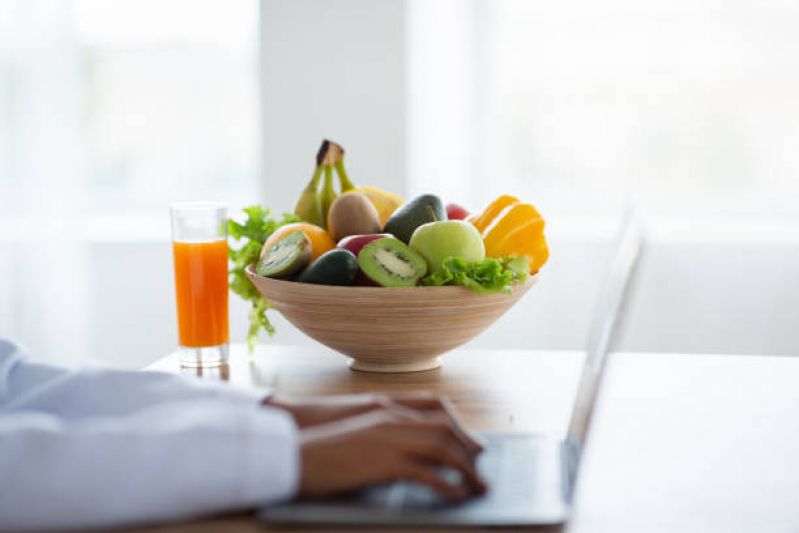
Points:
(69, 393)
(83, 449)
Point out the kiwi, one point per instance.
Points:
(352, 214)
(285, 257)
(336, 267)
(390, 263)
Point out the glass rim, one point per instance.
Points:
(198, 205)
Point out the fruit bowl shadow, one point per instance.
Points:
(388, 329)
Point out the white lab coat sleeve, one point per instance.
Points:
(170, 461)
(89, 392)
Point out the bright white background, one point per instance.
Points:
(110, 110)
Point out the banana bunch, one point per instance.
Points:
(313, 205)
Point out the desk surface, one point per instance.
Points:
(679, 442)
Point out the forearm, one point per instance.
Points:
(171, 461)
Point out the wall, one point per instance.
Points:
(309, 92)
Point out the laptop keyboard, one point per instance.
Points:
(507, 465)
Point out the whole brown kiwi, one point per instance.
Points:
(352, 214)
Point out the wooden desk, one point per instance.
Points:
(679, 442)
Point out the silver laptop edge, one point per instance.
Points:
(608, 321)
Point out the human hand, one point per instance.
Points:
(324, 409)
(387, 445)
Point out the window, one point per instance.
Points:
(109, 111)
(127, 105)
(691, 108)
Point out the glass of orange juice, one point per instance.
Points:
(199, 248)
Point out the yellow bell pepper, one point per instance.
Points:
(515, 230)
(482, 220)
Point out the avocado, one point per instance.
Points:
(410, 215)
(336, 267)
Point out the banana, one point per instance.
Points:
(332, 154)
(344, 180)
(313, 206)
(309, 205)
(328, 193)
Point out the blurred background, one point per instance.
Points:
(110, 110)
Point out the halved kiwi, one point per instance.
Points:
(286, 257)
(390, 263)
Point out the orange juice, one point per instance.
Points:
(201, 287)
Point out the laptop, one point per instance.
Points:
(531, 477)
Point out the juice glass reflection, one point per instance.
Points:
(199, 249)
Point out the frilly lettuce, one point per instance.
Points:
(256, 230)
(483, 277)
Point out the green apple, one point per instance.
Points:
(436, 241)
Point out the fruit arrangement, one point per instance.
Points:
(369, 237)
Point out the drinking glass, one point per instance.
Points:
(199, 249)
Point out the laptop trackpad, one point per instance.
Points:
(404, 495)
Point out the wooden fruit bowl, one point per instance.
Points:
(388, 329)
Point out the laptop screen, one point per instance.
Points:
(604, 330)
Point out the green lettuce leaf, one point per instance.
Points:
(483, 277)
(255, 230)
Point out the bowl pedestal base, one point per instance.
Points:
(417, 366)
